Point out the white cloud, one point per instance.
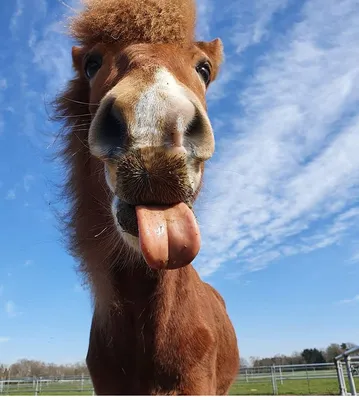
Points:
(3, 84)
(228, 73)
(286, 169)
(4, 339)
(50, 52)
(52, 55)
(51, 47)
(11, 309)
(252, 20)
(242, 25)
(205, 10)
(28, 179)
(27, 263)
(10, 195)
(355, 299)
(20, 6)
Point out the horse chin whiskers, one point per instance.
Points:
(132, 241)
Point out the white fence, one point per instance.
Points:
(301, 379)
(71, 385)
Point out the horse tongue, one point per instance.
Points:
(169, 235)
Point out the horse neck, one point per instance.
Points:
(140, 285)
(129, 289)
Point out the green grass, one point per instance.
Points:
(289, 387)
(53, 389)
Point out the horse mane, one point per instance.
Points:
(131, 22)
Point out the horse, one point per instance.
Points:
(136, 136)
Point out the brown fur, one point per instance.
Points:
(140, 21)
(163, 332)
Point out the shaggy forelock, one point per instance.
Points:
(134, 21)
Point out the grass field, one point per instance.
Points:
(289, 387)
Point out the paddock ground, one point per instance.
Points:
(325, 386)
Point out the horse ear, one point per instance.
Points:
(77, 57)
(214, 51)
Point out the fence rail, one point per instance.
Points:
(47, 386)
(351, 369)
(300, 379)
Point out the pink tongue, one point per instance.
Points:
(169, 235)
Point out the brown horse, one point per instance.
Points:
(136, 138)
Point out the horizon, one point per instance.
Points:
(248, 362)
(279, 211)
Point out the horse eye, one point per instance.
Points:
(204, 70)
(92, 65)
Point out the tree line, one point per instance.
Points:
(33, 368)
(306, 356)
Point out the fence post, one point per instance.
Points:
(36, 387)
(342, 387)
(274, 380)
(280, 375)
(82, 382)
(306, 373)
(246, 376)
(350, 376)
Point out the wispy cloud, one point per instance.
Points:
(205, 10)
(51, 54)
(11, 309)
(16, 16)
(28, 179)
(24, 184)
(3, 84)
(287, 169)
(11, 194)
(252, 20)
(45, 48)
(4, 339)
(241, 25)
(355, 299)
(27, 263)
(354, 259)
(219, 89)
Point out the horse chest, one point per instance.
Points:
(132, 360)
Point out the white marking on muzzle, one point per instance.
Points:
(164, 104)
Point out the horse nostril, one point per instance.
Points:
(195, 127)
(112, 129)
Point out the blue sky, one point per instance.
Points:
(279, 212)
